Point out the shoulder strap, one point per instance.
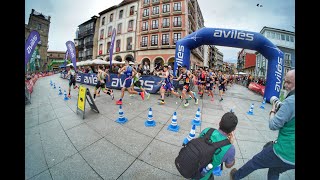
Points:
(217, 144)
(208, 135)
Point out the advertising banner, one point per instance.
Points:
(72, 52)
(111, 46)
(30, 45)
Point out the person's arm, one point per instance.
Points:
(178, 79)
(229, 158)
(283, 115)
(165, 75)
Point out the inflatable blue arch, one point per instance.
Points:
(239, 39)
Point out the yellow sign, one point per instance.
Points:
(82, 97)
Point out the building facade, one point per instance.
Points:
(160, 25)
(122, 18)
(86, 36)
(219, 62)
(55, 59)
(285, 41)
(247, 61)
(41, 23)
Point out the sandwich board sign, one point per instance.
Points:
(83, 96)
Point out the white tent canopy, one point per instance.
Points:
(242, 73)
(99, 61)
(116, 62)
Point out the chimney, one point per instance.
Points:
(32, 11)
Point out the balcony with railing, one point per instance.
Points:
(129, 47)
(117, 49)
(130, 29)
(153, 45)
(155, 2)
(165, 1)
(287, 62)
(89, 44)
(100, 52)
(80, 46)
(165, 27)
(165, 43)
(143, 45)
(154, 28)
(155, 14)
(145, 16)
(146, 4)
(177, 26)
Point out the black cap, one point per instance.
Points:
(228, 122)
(185, 66)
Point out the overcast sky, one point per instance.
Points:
(66, 15)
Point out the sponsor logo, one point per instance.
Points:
(147, 84)
(91, 79)
(32, 42)
(233, 34)
(71, 50)
(180, 54)
(278, 74)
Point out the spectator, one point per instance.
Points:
(146, 68)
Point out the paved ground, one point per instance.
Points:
(59, 144)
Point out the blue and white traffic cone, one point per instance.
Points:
(150, 122)
(60, 92)
(196, 120)
(191, 135)
(174, 125)
(250, 112)
(263, 103)
(121, 119)
(65, 95)
(54, 85)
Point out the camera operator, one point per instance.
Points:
(278, 156)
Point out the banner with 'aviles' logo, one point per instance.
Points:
(30, 45)
(72, 53)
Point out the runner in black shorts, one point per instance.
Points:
(72, 81)
(101, 76)
(222, 81)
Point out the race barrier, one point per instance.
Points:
(149, 83)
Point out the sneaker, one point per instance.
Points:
(232, 172)
(112, 96)
(161, 102)
(148, 95)
(119, 102)
(69, 96)
(221, 99)
(94, 99)
(189, 98)
(180, 97)
(142, 95)
(194, 95)
(186, 104)
(196, 101)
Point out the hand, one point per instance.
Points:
(231, 137)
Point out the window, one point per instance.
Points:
(130, 25)
(145, 26)
(291, 39)
(177, 6)
(102, 22)
(145, 12)
(118, 45)
(129, 43)
(119, 28)
(109, 31)
(287, 38)
(287, 56)
(120, 14)
(166, 8)
(282, 37)
(154, 40)
(111, 17)
(146, 1)
(268, 34)
(166, 23)
(155, 10)
(101, 35)
(176, 37)
(144, 41)
(39, 26)
(272, 35)
(131, 10)
(278, 36)
(100, 49)
(165, 39)
(108, 46)
(177, 21)
(155, 24)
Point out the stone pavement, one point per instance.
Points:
(59, 144)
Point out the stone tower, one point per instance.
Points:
(41, 23)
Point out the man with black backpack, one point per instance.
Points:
(212, 146)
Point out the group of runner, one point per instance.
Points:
(206, 80)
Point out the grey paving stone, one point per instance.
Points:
(45, 108)
(47, 116)
(74, 167)
(29, 112)
(245, 124)
(170, 137)
(249, 135)
(63, 111)
(32, 136)
(164, 158)
(34, 160)
(210, 118)
(106, 159)
(184, 121)
(129, 140)
(226, 171)
(269, 135)
(56, 144)
(82, 136)
(137, 124)
(58, 103)
(248, 149)
(160, 108)
(31, 121)
(141, 170)
(257, 118)
(103, 125)
(42, 176)
(259, 125)
(70, 121)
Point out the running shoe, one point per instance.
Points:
(119, 102)
(142, 95)
(148, 95)
(69, 96)
(194, 95)
(112, 96)
(186, 104)
(75, 87)
(189, 98)
(196, 101)
(221, 99)
(161, 102)
(180, 97)
(94, 99)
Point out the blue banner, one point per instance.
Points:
(72, 52)
(149, 83)
(31, 43)
(111, 46)
(239, 39)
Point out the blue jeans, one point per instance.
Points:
(265, 159)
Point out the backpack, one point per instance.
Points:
(197, 154)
